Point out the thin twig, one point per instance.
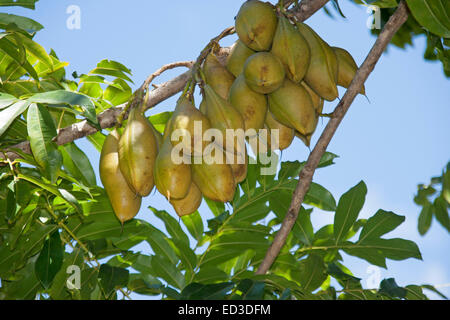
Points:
(395, 22)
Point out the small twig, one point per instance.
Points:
(395, 22)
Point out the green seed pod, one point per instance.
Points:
(256, 24)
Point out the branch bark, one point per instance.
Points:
(395, 22)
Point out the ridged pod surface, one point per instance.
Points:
(172, 179)
(321, 75)
(256, 23)
(292, 50)
(217, 76)
(138, 149)
(285, 133)
(188, 204)
(316, 100)
(239, 165)
(215, 180)
(251, 105)
(264, 139)
(264, 72)
(346, 68)
(158, 136)
(222, 116)
(124, 201)
(184, 119)
(237, 57)
(292, 106)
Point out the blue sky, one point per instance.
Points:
(398, 140)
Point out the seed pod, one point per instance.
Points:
(172, 178)
(158, 136)
(124, 201)
(292, 106)
(217, 76)
(321, 75)
(346, 68)
(188, 204)
(292, 50)
(256, 23)
(264, 72)
(285, 133)
(137, 153)
(222, 116)
(305, 139)
(214, 178)
(239, 164)
(251, 105)
(316, 100)
(186, 118)
(238, 55)
(202, 107)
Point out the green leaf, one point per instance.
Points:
(379, 224)
(25, 286)
(159, 120)
(432, 14)
(376, 251)
(8, 115)
(112, 278)
(59, 97)
(349, 206)
(77, 164)
(69, 198)
(230, 244)
(166, 270)
(414, 292)
(194, 224)
(320, 197)
(336, 272)
(161, 246)
(446, 183)
(29, 4)
(312, 272)
(50, 260)
(441, 212)
(108, 71)
(250, 289)
(303, 229)
(433, 289)
(113, 65)
(327, 159)
(59, 289)
(41, 130)
(172, 225)
(144, 284)
(36, 50)
(10, 49)
(6, 100)
(425, 219)
(197, 291)
(383, 3)
(390, 288)
(185, 253)
(216, 207)
(210, 274)
(97, 140)
(117, 96)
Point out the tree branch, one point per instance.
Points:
(395, 22)
(108, 118)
